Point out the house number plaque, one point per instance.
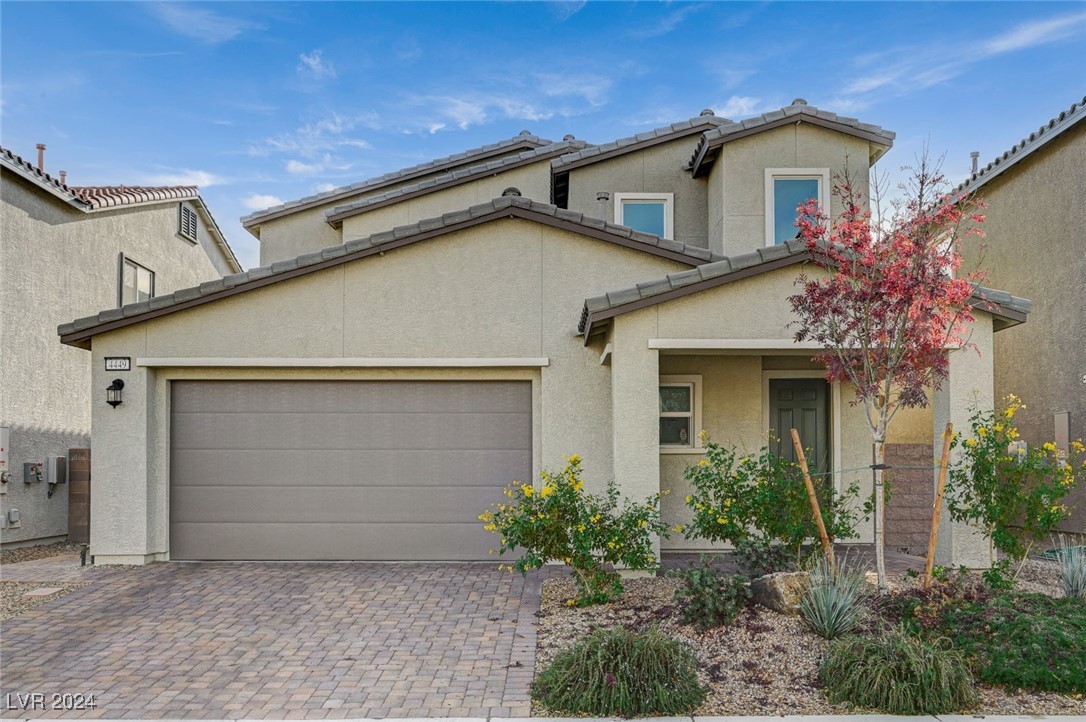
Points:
(118, 363)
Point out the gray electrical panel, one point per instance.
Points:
(56, 470)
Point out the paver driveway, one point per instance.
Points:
(225, 640)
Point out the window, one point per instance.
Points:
(186, 225)
(137, 282)
(646, 212)
(680, 412)
(785, 189)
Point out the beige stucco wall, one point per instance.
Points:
(1034, 248)
(658, 169)
(57, 264)
(742, 164)
(291, 236)
(510, 288)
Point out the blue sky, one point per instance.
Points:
(260, 102)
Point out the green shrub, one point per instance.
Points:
(1072, 570)
(834, 603)
(623, 673)
(735, 497)
(709, 598)
(1027, 641)
(898, 673)
(559, 522)
(757, 556)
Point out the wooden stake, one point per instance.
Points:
(933, 539)
(827, 547)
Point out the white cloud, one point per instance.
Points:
(258, 201)
(742, 106)
(326, 135)
(565, 9)
(184, 177)
(200, 23)
(324, 187)
(1038, 32)
(313, 66)
(322, 165)
(667, 23)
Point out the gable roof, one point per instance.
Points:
(525, 140)
(80, 331)
(1023, 148)
(798, 112)
(451, 180)
(560, 167)
(598, 310)
(98, 198)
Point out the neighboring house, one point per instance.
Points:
(1034, 243)
(68, 250)
(434, 341)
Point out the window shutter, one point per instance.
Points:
(188, 223)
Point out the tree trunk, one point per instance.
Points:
(878, 455)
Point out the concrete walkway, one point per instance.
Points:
(786, 718)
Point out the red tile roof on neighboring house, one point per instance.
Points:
(115, 196)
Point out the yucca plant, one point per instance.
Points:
(834, 603)
(899, 674)
(619, 672)
(1072, 570)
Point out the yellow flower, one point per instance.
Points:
(703, 436)
(581, 527)
(678, 528)
(703, 462)
(570, 602)
(596, 518)
(721, 520)
(547, 491)
(642, 523)
(528, 491)
(578, 485)
(970, 442)
(611, 544)
(575, 459)
(997, 428)
(689, 498)
(1078, 446)
(727, 503)
(982, 431)
(1049, 447)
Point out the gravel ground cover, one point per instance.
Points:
(28, 554)
(765, 664)
(13, 599)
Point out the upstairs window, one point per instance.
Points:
(646, 212)
(186, 225)
(785, 190)
(137, 282)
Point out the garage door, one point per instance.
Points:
(364, 470)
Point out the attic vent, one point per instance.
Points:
(187, 223)
(511, 191)
(706, 112)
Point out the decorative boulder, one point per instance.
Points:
(781, 591)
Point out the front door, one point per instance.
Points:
(801, 404)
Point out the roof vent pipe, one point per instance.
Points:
(706, 112)
(64, 177)
(511, 191)
(41, 156)
(799, 101)
(569, 136)
(602, 197)
(975, 155)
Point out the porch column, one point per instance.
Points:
(635, 403)
(968, 388)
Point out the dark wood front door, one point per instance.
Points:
(801, 404)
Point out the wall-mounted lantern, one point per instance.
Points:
(113, 393)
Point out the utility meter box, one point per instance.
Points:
(56, 470)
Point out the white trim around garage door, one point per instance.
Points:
(411, 363)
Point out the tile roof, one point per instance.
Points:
(116, 196)
(95, 198)
(799, 111)
(1037, 139)
(524, 140)
(509, 206)
(732, 268)
(636, 142)
(449, 180)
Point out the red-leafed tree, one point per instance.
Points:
(894, 301)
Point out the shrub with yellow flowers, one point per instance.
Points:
(1016, 495)
(592, 534)
(762, 496)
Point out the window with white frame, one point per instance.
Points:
(646, 212)
(680, 412)
(137, 282)
(785, 190)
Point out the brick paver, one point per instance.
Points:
(252, 640)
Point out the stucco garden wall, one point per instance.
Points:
(510, 288)
(654, 170)
(58, 263)
(742, 165)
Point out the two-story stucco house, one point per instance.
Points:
(1034, 243)
(417, 341)
(68, 250)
